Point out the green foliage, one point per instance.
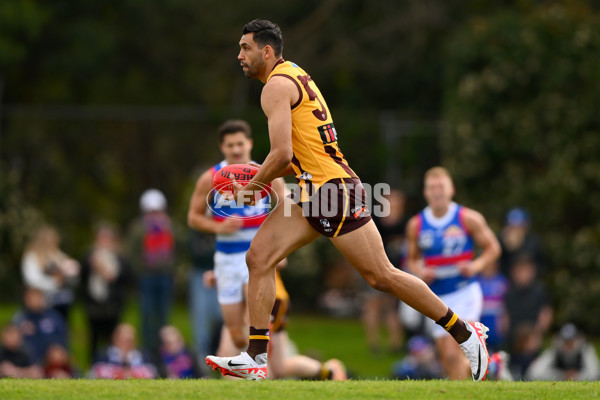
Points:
(522, 95)
(18, 218)
(91, 72)
(21, 23)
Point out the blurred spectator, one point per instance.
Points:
(205, 310)
(15, 360)
(177, 361)
(529, 315)
(152, 251)
(122, 359)
(39, 325)
(569, 358)
(517, 240)
(525, 347)
(342, 288)
(494, 286)
(46, 267)
(58, 363)
(105, 277)
(380, 306)
(420, 362)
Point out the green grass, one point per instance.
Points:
(325, 337)
(292, 390)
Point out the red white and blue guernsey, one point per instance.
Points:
(253, 217)
(444, 243)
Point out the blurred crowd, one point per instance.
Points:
(141, 267)
(36, 342)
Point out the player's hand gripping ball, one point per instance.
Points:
(242, 173)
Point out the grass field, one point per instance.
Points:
(292, 390)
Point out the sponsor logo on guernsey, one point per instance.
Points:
(453, 231)
(328, 133)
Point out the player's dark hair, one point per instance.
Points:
(265, 33)
(232, 126)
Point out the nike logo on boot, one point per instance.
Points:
(238, 365)
(475, 375)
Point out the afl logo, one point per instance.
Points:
(426, 239)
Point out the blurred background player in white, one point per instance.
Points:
(284, 361)
(441, 250)
(234, 228)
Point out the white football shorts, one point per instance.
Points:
(231, 273)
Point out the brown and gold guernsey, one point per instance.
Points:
(317, 157)
(280, 308)
(280, 290)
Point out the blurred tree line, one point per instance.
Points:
(100, 100)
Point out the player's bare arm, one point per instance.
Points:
(278, 186)
(197, 217)
(287, 171)
(414, 259)
(484, 238)
(277, 97)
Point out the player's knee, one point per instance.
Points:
(253, 259)
(378, 281)
(256, 261)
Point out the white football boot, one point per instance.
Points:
(242, 366)
(476, 350)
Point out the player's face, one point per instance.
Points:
(250, 56)
(438, 191)
(236, 148)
